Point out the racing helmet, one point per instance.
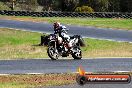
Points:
(56, 25)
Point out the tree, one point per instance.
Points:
(32, 5)
(126, 5)
(4, 0)
(99, 5)
(103, 5)
(69, 5)
(84, 9)
(129, 4)
(29, 5)
(47, 4)
(83, 2)
(114, 6)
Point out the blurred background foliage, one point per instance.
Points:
(68, 5)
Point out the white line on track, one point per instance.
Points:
(62, 73)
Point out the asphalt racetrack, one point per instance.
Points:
(41, 66)
(92, 32)
(48, 66)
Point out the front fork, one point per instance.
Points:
(56, 51)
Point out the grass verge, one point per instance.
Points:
(20, 44)
(115, 23)
(32, 81)
(42, 80)
(17, 44)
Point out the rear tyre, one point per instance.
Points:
(77, 54)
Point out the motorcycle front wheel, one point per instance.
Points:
(52, 53)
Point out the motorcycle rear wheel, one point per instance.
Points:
(78, 54)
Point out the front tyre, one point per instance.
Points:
(77, 54)
(52, 53)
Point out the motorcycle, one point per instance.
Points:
(58, 47)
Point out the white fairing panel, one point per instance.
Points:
(63, 27)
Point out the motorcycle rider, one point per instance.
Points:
(61, 30)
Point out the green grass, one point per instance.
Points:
(104, 48)
(18, 37)
(115, 23)
(20, 44)
(13, 85)
(17, 44)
